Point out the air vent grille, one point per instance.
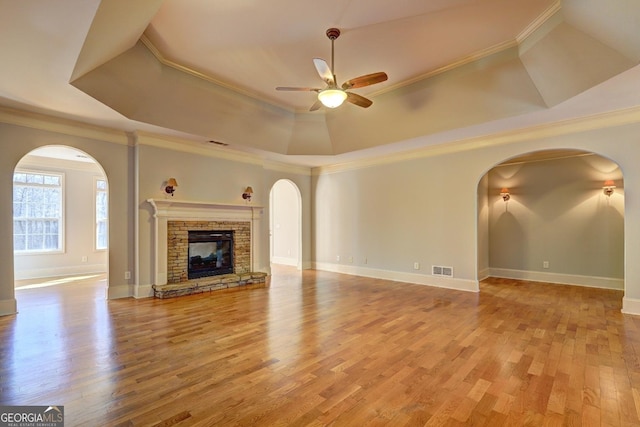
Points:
(439, 270)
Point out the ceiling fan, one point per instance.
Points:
(333, 96)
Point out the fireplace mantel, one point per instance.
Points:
(185, 209)
(165, 210)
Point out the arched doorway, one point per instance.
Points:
(285, 224)
(61, 219)
(557, 224)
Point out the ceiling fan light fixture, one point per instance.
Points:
(332, 98)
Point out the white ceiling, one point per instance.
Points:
(253, 46)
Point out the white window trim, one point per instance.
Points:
(95, 213)
(62, 212)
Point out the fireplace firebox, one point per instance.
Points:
(210, 253)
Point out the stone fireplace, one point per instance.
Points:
(206, 230)
(182, 252)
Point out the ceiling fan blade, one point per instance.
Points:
(304, 89)
(358, 100)
(363, 81)
(324, 71)
(316, 105)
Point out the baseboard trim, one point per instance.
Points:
(630, 306)
(398, 276)
(8, 307)
(562, 279)
(284, 261)
(143, 291)
(119, 291)
(41, 273)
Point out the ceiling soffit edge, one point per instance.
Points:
(547, 130)
(484, 53)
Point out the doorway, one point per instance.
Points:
(61, 221)
(285, 224)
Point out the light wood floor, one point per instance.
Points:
(318, 348)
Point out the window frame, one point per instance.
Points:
(62, 217)
(96, 191)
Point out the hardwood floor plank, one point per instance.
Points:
(317, 348)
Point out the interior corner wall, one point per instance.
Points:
(558, 226)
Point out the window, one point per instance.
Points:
(37, 211)
(102, 214)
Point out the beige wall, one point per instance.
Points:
(380, 217)
(426, 209)
(558, 213)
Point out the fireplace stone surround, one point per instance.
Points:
(172, 220)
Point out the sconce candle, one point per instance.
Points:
(247, 194)
(504, 192)
(608, 187)
(171, 186)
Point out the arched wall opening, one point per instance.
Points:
(59, 243)
(285, 224)
(557, 224)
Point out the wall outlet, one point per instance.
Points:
(416, 266)
(127, 275)
(351, 259)
(338, 258)
(545, 264)
(85, 259)
(365, 260)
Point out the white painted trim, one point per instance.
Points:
(563, 279)
(272, 165)
(119, 291)
(284, 261)
(184, 210)
(8, 307)
(195, 147)
(62, 126)
(484, 274)
(546, 130)
(399, 276)
(143, 291)
(73, 270)
(631, 306)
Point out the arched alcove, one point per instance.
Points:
(61, 218)
(557, 224)
(285, 224)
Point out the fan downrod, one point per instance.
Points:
(333, 33)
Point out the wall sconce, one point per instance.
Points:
(171, 186)
(505, 194)
(247, 194)
(609, 185)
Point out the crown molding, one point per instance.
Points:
(193, 147)
(547, 130)
(207, 77)
(539, 22)
(62, 126)
(287, 168)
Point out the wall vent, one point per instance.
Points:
(438, 270)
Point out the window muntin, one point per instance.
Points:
(37, 211)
